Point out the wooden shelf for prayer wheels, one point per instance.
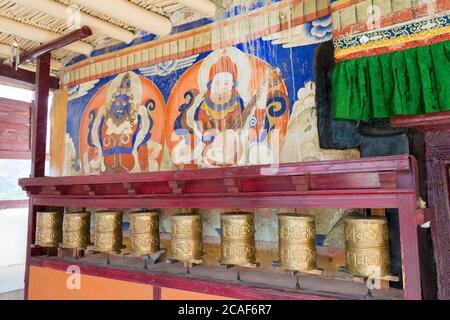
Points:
(244, 266)
(382, 182)
(187, 264)
(314, 272)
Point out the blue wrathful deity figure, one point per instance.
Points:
(120, 128)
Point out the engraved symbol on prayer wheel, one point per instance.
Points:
(49, 229)
(144, 233)
(108, 231)
(76, 230)
(238, 238)
(297, 249)
(186, 244)
(366, 246)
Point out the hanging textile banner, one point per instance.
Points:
(406, 82)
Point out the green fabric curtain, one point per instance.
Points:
(412, 81)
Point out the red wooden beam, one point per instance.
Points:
(22, 78)
(377, 164)
(338, 184)
(58, 43)
(425, 122)
(373, 200)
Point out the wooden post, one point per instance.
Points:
(436, 127)
(39, 117)
(38, 147)
(31, 235)
(409, 247)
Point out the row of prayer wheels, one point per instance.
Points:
(72, 231)
(366, 238)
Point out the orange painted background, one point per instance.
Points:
(50, 284)
(174, 294)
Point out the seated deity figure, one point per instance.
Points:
(222, 103)
(222, 118)
(218, 112)
(120, 128)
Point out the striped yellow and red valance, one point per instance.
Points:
(256, 24)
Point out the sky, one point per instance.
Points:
(16, 93)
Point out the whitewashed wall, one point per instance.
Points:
(13, 236)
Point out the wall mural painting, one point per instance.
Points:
(247, 104)
(122, 127)
(227, 107)
(230, 108)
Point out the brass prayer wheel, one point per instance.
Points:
(108, 231)
(238, 238)
(297, 236)
(366, 246)
(144, 233)
(49, 229)
(76, 230)
(186, 244)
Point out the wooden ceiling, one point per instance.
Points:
(9, 9)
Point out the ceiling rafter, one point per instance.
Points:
(130, 13)
(60, 11)
(42, 19)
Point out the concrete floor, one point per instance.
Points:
(12, 282)
(12, 295)
(13, 237)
